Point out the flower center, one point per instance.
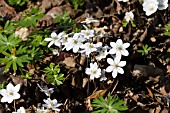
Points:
(75, 41)
(119, 48)
(87, 33)
(90, 46)
(52, 105)
(94, 72)
(10, 93)
(115, 66)
(151, 8)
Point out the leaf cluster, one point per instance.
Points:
(30, 18)
(53, 74)
(17, 2)
(15, 58)
(145, 50)
(112, 105)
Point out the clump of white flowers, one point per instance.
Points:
(82, 43)
(151, 6)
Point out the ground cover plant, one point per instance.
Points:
(84, 56)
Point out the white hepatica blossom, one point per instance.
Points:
(53, 104)
(89, 19)
(75, 42)
(150, 6)
(46, 90)
(93, 71)
(102, 55)
(10, 93)
(123, 0)
(90, 47)
(163, 4)
(53, 40)
(119, 48)
(20, 110)
(87, 33)
(115, 66)
(42, 110)
(129, 16)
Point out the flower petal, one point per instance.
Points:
(3, 92)
(126, 45)
(4, 99)
(124, 52)
(113, 44)
(88, 71)
(122, 63)
(110, 61)
(112, 51)
(53, 34)
(114, 73)
(119, 42)
(17, 87)
(9, 87)
(120, 70)
(51, 43)
(16, 96)
(109, 69)
(48, 39)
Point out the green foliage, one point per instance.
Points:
(64, 21)
(125, 23)
(167, 28)
(53, 74)
(30, 18)
(7, 43)
(77, 3)
(145, 50)
(15, 58)
(112, 105)
(8, 28)
(17, 2)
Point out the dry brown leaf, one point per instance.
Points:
(70, 61)
(96, 93)
(168, 68)
(6, 10)
(17, 80)
(150, 93)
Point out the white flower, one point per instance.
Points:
(53, 104)
(75, 42)
(93, 71)
(102, 55)
(103, 77)
(87, 33)
(89, 19)
(46, 90)
(163, 4)
(129, 16)
(90, 47)
(10, 93)
(123, 0)
(42, 110)
(150, 6)
(115, 66)
(20, 110)
(119, 48)
(53, 40)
